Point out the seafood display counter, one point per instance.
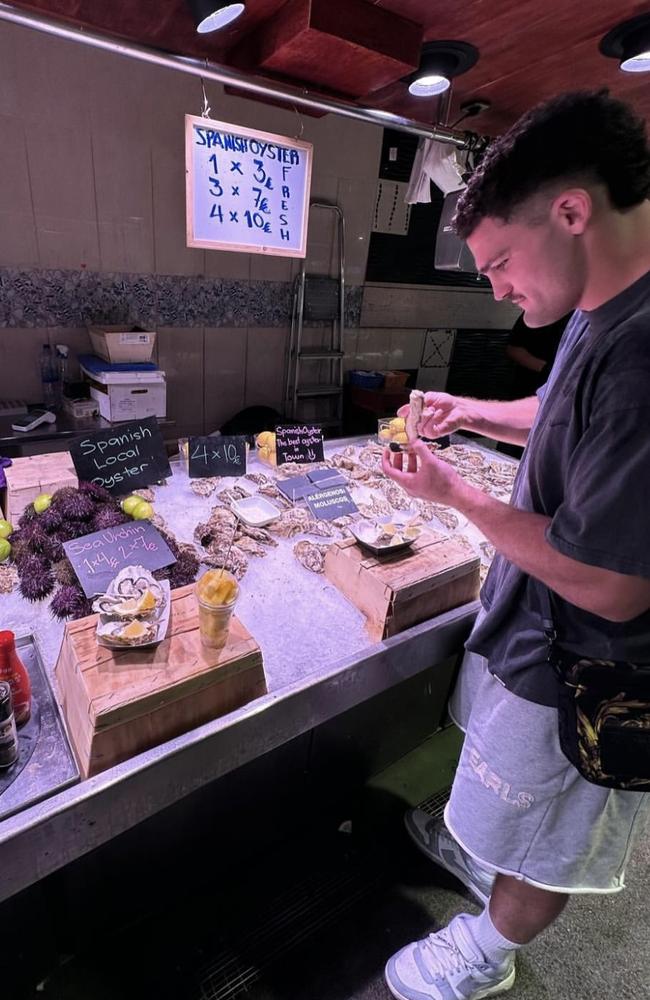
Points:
(320, 657)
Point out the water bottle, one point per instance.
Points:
(62, 351)
(48, 378)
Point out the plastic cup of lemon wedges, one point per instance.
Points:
(392, 429)
(217, 592)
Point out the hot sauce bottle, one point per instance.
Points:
(14, 671)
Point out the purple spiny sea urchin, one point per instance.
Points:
(171, 542)
(19, 546)
(107, 518)
(70, 602)
(75, 508)
(37, 539)
(50, 520)
(65, 491)
(96, 493)
(73, 529)
(36, 578)
(184, 570)
(53, 549)
(64, 573)
(29, 514)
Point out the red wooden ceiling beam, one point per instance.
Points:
(351, 48)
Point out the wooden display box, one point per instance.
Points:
(400, 590)
(27, 477)
(119, 703)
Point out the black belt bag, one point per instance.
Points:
(603, 714)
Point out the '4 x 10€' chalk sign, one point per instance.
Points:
(246, 190)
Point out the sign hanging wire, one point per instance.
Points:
(301, 121)
(205, 111)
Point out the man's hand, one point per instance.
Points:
(443, 414)
(421, 474)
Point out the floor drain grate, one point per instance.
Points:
(284, 923)
(435, 804)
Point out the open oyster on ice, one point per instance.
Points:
(386, 537)
(132, 633)
(134, 611)
(133, 593)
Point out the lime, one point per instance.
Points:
(5, 529)
(42, 502)
(5, 549)
(142, 511)
(130, 503)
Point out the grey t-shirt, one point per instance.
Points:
(587, 467)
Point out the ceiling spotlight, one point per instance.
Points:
(210, 15)
(440, 62)
(629, 42)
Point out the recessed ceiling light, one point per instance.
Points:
(210, 15)
(629, 42)
(440, 62)
(426, 86)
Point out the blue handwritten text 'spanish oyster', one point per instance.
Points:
(133, 593)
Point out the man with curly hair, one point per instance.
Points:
(557, 216)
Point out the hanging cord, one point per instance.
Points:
(206, 109)
(300, 118)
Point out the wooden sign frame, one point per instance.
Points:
(306, 148)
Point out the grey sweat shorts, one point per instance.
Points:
(519, 807)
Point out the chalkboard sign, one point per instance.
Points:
(331, 503)
(324, 478)
(97, 558)
(123, 458)
(299, 443)
(246, 190)
(295, 487)
(217, 456)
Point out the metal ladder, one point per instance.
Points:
(318, 298)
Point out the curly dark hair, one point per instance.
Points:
(583, 136)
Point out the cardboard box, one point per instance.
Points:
(397, 591)
(394, 381)
(28, 477)
(118, 703)
(119, 346)
(131, 400)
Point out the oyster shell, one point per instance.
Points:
(133, 593)
(292, 522)
(203, 487)
(133, 633)
(311, 555)
(251, 547)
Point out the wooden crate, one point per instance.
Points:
(403, 589)
(27, 477)
(119, 703)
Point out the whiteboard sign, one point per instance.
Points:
(246, 190)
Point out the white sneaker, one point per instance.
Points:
(434, 839)
(447, 966)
